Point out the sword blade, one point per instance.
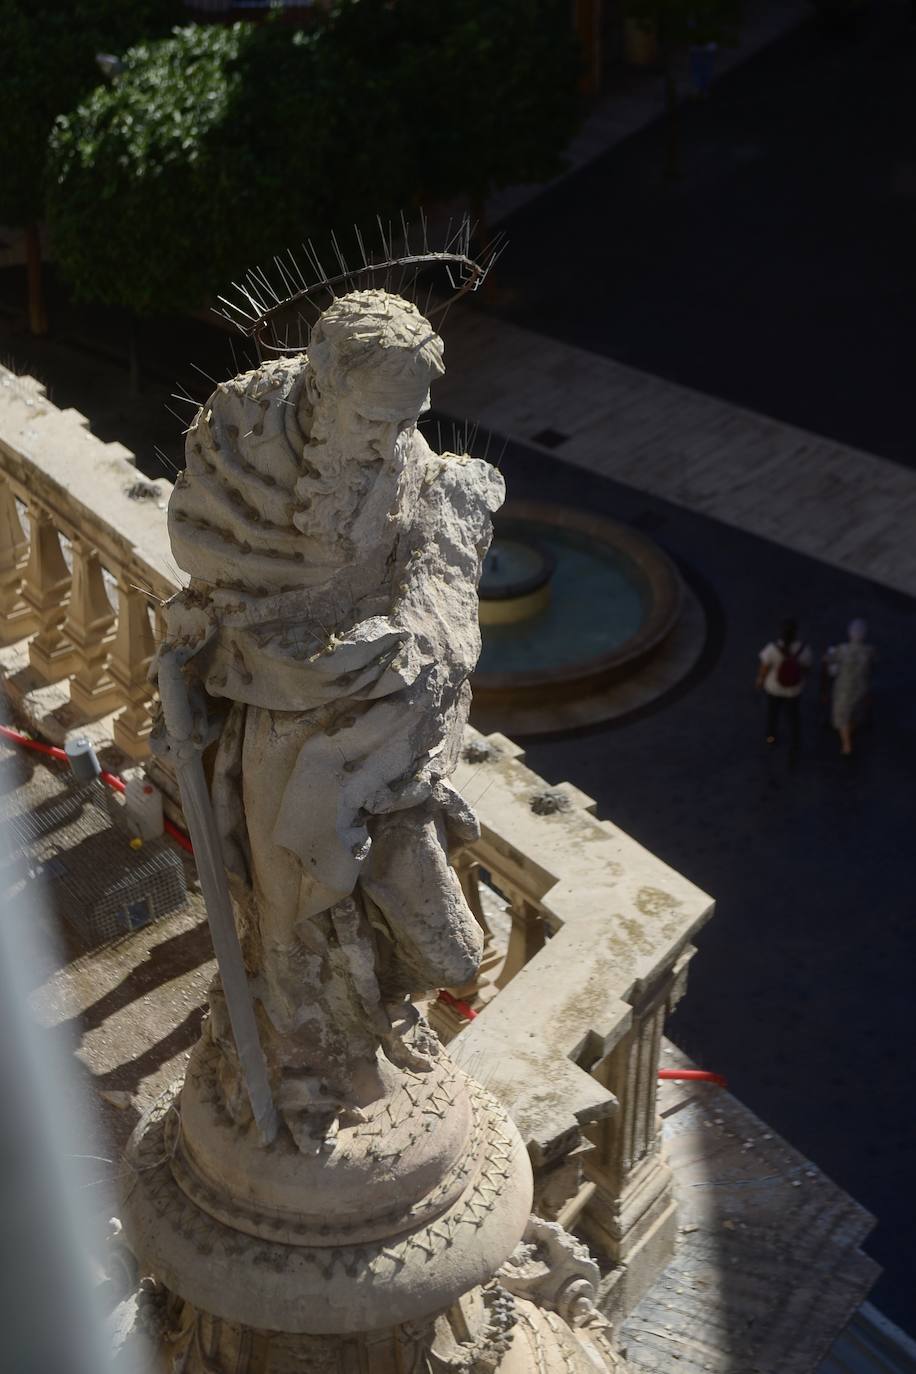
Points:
(198, 811)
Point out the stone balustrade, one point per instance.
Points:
(597, 955)
(600, 930)
(84, 561)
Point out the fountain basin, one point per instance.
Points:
(576, 603)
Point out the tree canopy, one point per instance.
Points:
(216, 148)
(47, 64)
(213, 149)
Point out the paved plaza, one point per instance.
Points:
(726, 363)
(810, 494)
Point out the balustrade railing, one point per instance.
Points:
(597, 955)
(599, 929)
(84, 560)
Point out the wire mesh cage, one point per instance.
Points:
(77, 847)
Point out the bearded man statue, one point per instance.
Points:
(327, 634)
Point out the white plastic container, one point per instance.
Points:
(143, 808)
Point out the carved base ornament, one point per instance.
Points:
(326, 1191)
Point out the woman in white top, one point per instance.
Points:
(849, 665)
(781, 673)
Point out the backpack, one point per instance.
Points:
(789, 672)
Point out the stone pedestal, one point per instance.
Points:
(413, 1207)
(385, 1253)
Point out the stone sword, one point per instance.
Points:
(186, 750)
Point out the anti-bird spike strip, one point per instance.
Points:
(259, 301)
(204, 374)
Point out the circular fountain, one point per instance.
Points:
(582, 619)
(515, 582)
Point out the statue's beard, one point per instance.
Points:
(346, 493)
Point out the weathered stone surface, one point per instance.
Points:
(324, 645)
(340, 1274)
(620, 920)
(330, 629)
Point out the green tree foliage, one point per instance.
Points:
(47, 64)
(140, 170)
(213, 150)
(218, 147)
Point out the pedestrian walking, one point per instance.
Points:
(849, 665)
(781, 673)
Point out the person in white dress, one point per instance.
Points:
(849, 665)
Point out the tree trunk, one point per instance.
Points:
(133, 354)
(587, 24)
(38, 316)
(672, 117)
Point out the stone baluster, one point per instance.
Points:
(468, 870)
(446, 1020)
(526, 935)
(131, 653)
(89, 622)
(631, 1215)
(17, 619)
(46, 588)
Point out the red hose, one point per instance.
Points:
(694, 1076)
(112, 779)
(178, 835)
(466, 1010)
(35, 744)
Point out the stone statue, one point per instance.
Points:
(329, 629)
(321, 655)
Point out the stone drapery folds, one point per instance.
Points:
(327, 635)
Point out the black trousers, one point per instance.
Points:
(789, 709)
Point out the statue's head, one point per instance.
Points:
(372, 357)
(370, 361)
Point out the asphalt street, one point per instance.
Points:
(779, 272)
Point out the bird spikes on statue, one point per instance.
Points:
(269, 308)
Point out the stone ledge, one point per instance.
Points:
(619, 917)
(84, 483)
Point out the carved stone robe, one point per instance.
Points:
(332, 617)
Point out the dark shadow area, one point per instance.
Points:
(177, 354)
(778, 272)
(165, 961)
(127, 1077)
